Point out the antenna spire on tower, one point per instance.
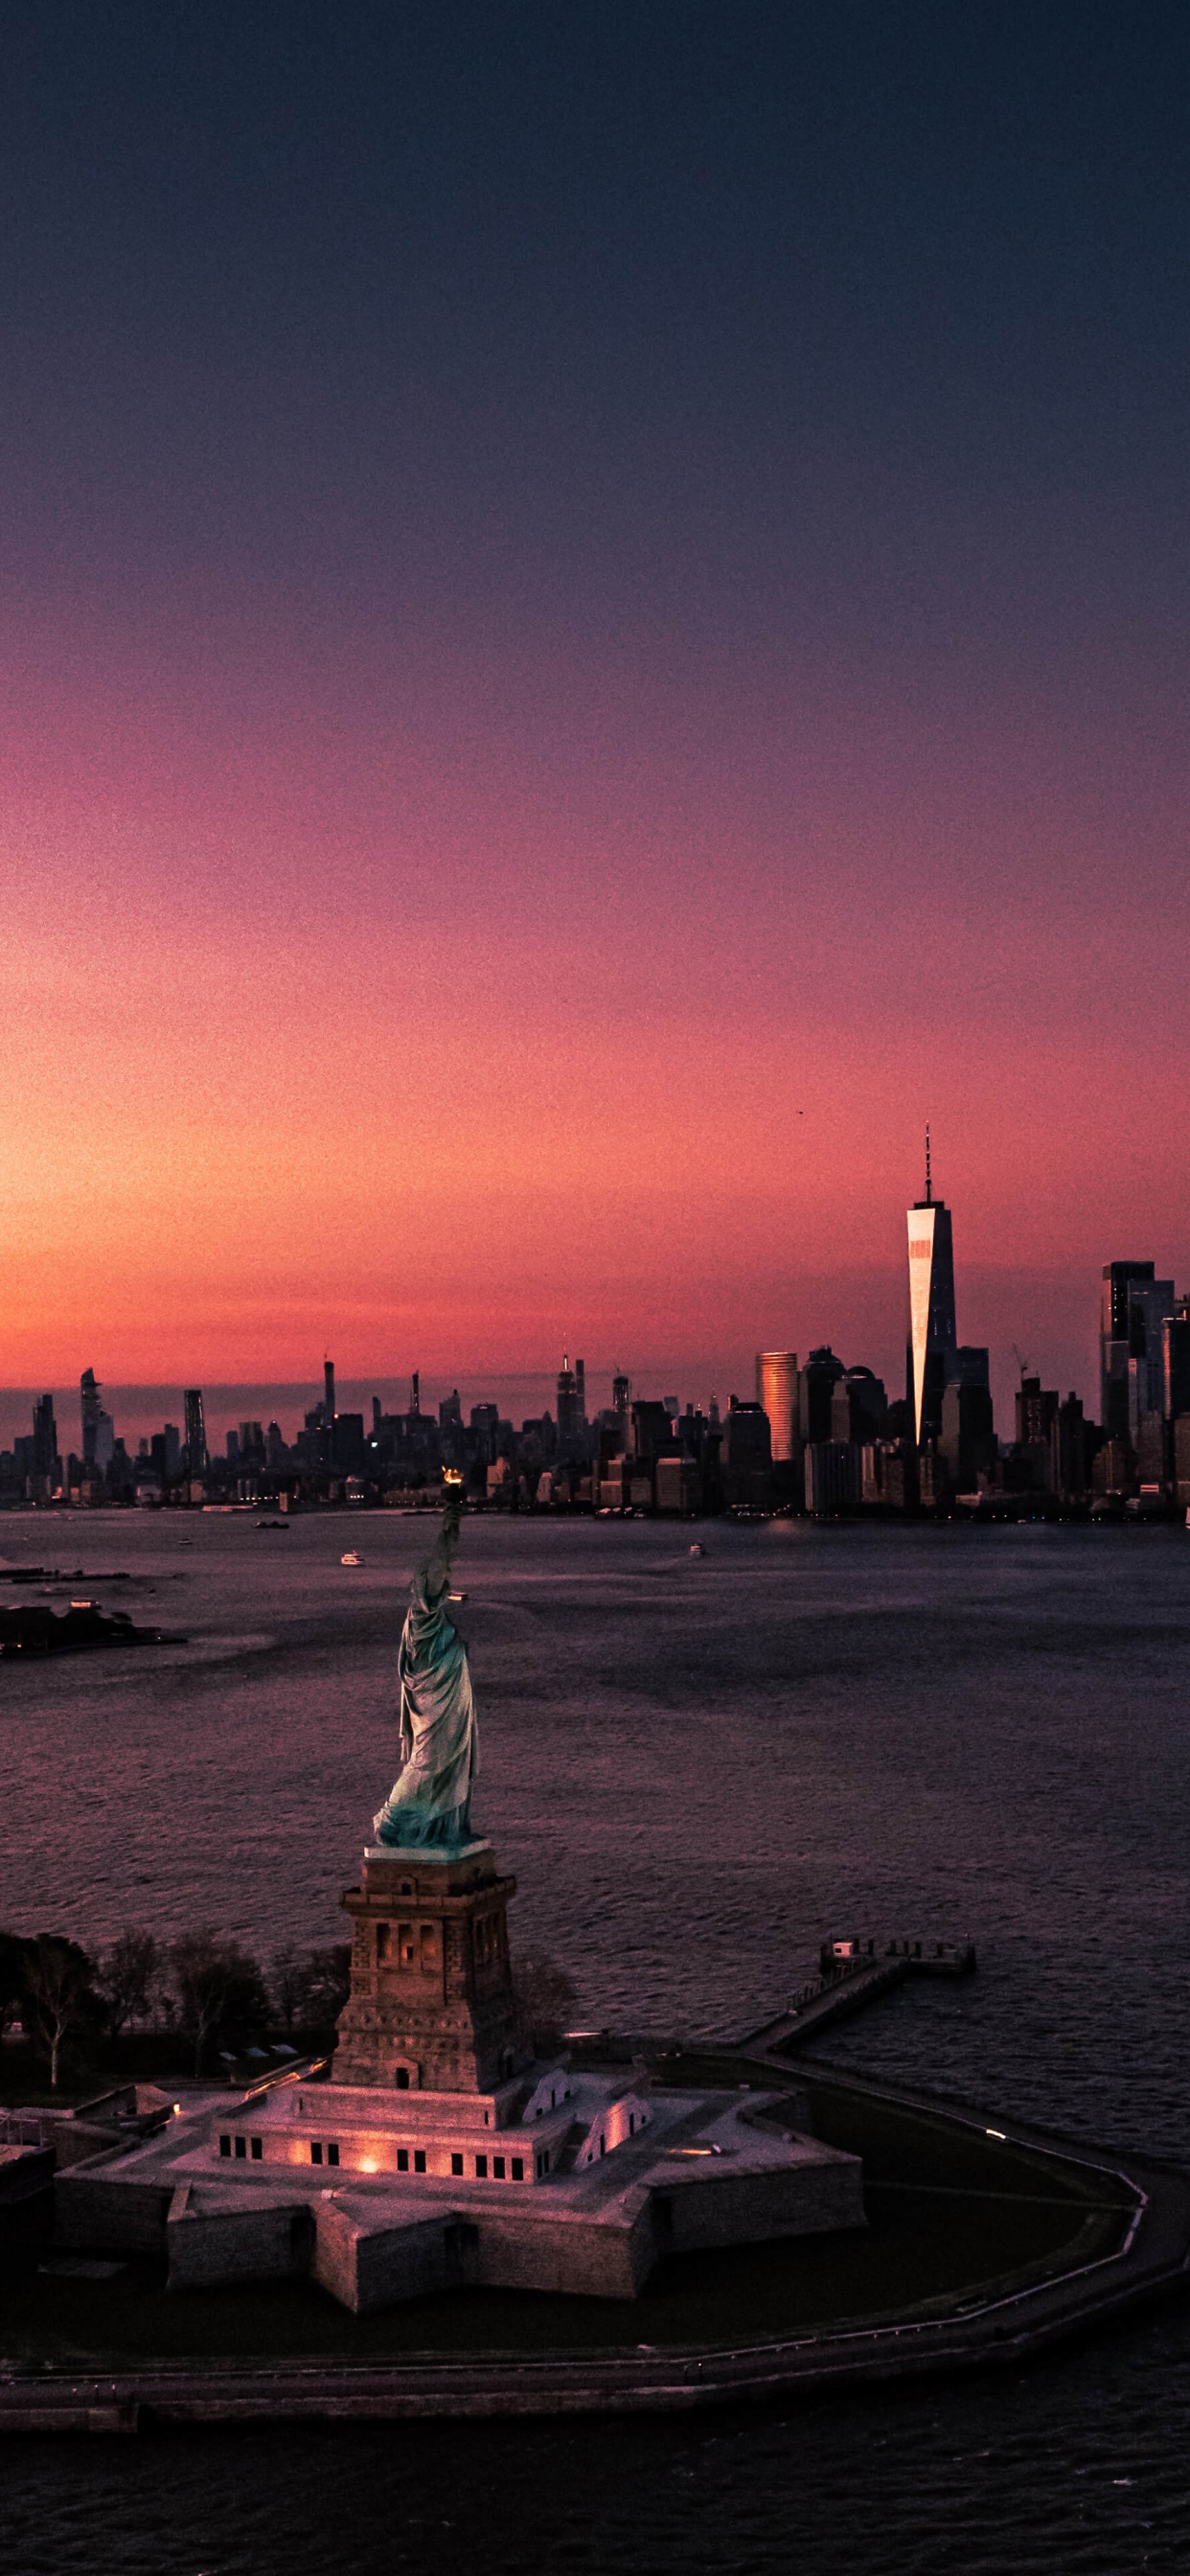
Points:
(929, 1193)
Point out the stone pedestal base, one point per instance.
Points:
(432, 2006)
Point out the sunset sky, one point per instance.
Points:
(593, 627)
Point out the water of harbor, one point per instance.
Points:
(696, 1766)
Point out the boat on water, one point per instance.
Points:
(351, 1558)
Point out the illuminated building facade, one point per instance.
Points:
(933, 1331)
(776, 1391)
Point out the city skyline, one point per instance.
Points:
(943, 1404)
(877, 1335)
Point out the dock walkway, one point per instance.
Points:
(852, 1974)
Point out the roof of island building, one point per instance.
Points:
(584, 2196)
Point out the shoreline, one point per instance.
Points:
(1151, 2263)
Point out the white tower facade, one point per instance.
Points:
(933, 1329)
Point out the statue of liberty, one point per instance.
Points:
(430, 1800)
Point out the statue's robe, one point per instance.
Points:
(430, 1799)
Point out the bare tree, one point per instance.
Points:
(326, 1983)
(218, 1986)
(129, 1976)
(287, 1985)
(544, 1993)
(58, 1982)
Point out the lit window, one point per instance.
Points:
(315, 2151)
(456, 2164)
(402, 2160)
(481, 2168)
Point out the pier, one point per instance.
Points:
(853, 1973)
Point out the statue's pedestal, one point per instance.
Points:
(432, 2007)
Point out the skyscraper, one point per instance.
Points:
(89, 1405)
(196, 1432)
(328, 1392)
(45, 1440)
(776, 1390)
(933, 1331)
(570, 1412)
(1115, 1343)
(1133, 1308)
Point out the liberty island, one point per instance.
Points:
(442, 2151)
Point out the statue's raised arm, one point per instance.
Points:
(430, 1800)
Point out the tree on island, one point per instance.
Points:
(308, 1988)
(129, 1976)
(60, 1991)
(12, 1974)
(327, 1985)
(287, 1986)
(219, 1989)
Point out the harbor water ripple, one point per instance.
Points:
(696, 1766)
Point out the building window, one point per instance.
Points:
(384, 1940)
(632, 2124)
(518, 2169)
(481, 2168)
(332, 2153)
(456, 2164)
(225, 2146)
(429, 1948)
(257, 2146)
(316, 2151)
(543, 2163)
(419, 2159)
(241, 2146)
(401, 2079)
(405, 1944)
(497, 2168)
(406, 1887)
